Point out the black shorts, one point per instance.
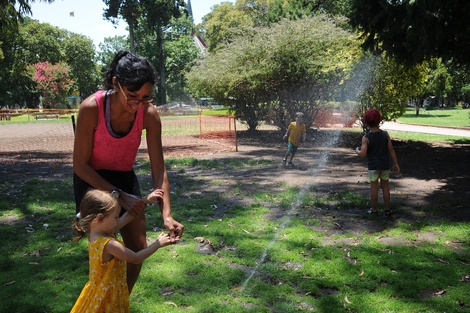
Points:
(126, 181)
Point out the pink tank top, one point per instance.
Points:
(111, 153)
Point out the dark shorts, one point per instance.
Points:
(292, 148)
(126, 181)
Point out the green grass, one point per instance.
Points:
(419, 136)
(455, 117)
(220, 111)
(303, 270)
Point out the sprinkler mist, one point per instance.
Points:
(360, 80)
(295, 206)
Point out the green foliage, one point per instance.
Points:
(414, 31)
(180, 55)
(79, 53)
(389, 86)
(36, 42)
(281, 67)
(228, 21)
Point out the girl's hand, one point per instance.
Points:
(164, 240)
(155, 197)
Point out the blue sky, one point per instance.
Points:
(88, 19)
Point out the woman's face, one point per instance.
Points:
(132, 100)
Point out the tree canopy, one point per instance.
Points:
(414, 30)
(36, 42)
(283, 65)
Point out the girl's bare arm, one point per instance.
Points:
(118, 250)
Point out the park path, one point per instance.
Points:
(449, 131)
(58, 137)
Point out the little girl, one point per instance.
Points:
(106, 289)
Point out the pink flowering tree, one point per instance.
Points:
(52, 80)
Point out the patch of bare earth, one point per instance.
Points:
(432, 175)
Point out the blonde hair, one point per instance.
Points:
(93, 203)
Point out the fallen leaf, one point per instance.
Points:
(440, 293)
(10, 283)
(465, 278)
(246, 231)
(347, 300)
(362, 273)
(170, 303)
(200, 239)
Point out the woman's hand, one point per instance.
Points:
(132, 204)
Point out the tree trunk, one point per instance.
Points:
(161, 97)
(418, 103)
(131, 35)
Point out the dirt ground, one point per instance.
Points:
(432, 175)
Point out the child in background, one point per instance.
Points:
(106, 289)
(295, 132)
(377, 146)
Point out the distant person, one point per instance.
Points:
(108, 134)
(377, 147)
(106, 289)
(296, 131)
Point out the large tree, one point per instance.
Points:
(227, 21)
(79, 54)
(415, 30)
(36, 42)
(282, 67)
(12, 12)
(154, 15)
(387, 85)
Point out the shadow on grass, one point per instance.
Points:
(318, 257)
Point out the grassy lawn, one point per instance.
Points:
(443, 117)
(235, 258)
(419, 136)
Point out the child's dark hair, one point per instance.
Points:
(131, 70)
(93, 203)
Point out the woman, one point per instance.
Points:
(108, 134)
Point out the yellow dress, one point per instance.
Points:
(106, 290)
